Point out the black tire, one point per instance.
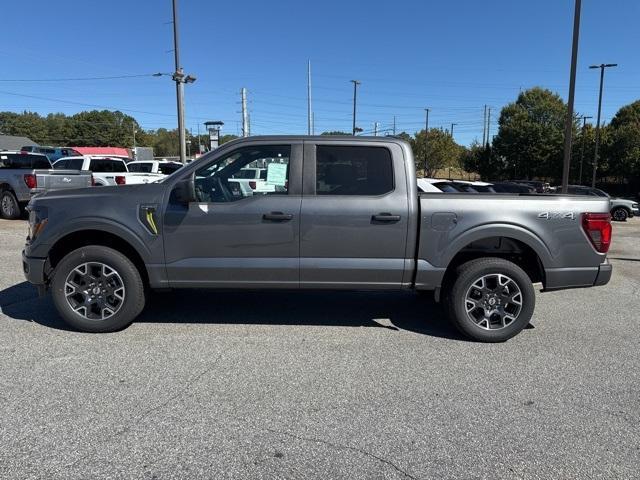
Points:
(9, 206)
(123, 311)
(620, 214)
(495, 328)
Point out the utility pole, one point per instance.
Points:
(180, 79)
(313, 123)
(488, 124)
(375, 129)
(355, 93)
(452, 125)
(394, 125)
(584, 125)
(309, 114)
(426, 138)
(568, 127)
(199, 141)
(245, 115)
(602, 66)
(484, 127)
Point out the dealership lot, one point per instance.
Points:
(321, 385)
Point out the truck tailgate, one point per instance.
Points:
(60, 179)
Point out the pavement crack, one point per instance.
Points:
(186, 387)
(342, 447)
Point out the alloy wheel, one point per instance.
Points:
(493, 301)
(94, 290)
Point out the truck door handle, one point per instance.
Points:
(385, 217)
(277, 217)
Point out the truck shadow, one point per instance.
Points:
(390, 310)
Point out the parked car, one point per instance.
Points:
(540, 187)
(349, 217)
(474, 187)
(162, 167)
(510, 187)
(437, 185)
(23, 175)
(52, 153)
(621, 208)
(106, 170)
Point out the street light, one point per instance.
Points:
(355, 93)
(602, 66)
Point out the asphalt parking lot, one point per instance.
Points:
(321, 385)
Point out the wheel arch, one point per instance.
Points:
(514, 244)
(97, 236)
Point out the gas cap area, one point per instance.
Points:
(443, 221)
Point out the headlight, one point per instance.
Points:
(635, 205)
(38, 218)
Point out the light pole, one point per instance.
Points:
(584, 125)
(180, 78)
(426, 137)
(355, 94)
(568, 127)
(602, 66)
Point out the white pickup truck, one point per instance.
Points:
(162, 167)
(106, 170)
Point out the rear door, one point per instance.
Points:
(354, 216)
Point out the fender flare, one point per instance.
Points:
(499, 230)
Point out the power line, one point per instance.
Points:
(77, 79)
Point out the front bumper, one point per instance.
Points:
(33, 269)
(635, 212)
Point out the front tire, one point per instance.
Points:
(491, 299)
(9, 206)
(97, 289)
(620, 214)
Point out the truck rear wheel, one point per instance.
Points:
(9, 206)
(97, 289)
(491, 300)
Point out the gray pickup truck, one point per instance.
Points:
(23, 175)
(340, 213)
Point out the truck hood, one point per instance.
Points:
(93, 194)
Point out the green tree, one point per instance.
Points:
(531, 134)
(441, 151)
(335, 132)
(622, 150)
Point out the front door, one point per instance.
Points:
(243, 231)
(354, 216)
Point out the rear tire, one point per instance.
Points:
(97, 289)
(491, 299)
(9, 206)
(620, 214)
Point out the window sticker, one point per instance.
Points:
(277, 174)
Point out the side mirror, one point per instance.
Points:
(185, 190)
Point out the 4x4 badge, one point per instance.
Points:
(557, 215)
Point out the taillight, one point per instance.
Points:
(597, 226)
(253, 185)
(30, 180)
(121, 179)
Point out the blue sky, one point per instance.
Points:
(452, 56)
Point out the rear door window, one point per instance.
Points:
(40, 163)
(353, 170)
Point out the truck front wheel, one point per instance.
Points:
(97, 289)
(491, 299)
